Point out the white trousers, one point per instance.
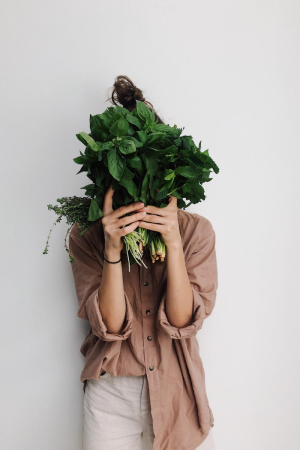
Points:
(117, 415)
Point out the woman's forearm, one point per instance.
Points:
(111, 293)
(179, 299)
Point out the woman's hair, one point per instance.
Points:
(125, 93)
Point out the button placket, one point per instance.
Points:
(147, 324)
(148, 310)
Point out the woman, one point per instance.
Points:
(143, 375)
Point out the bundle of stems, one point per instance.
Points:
(158, 248)
(134, 242)
(156, 244)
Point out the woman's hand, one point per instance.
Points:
(111, 222)
(164, 220)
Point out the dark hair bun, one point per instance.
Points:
(125, 93)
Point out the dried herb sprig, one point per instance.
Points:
(75, 210)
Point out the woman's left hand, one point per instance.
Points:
(164, 220)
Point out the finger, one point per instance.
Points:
(172, 202)
(154, 218)
(129, 219)
(151, 209)
(129, 228)
(127, 209)
(152, 226)
(108, 201)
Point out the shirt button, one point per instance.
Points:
(149, 338)
(151, 367)
(148, 311)
(145, 283)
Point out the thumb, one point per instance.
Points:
(108, 201)
(172, 202)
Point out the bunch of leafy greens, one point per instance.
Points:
(145, 161)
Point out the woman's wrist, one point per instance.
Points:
(174, 245)
(112, 254)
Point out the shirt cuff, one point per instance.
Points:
(99, 328)
(188, 331)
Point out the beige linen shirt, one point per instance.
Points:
(149, 344)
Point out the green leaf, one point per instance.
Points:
(163, 128)
(131, 187)
(116, 116)
(142, 110)
(90, 154)
(99, 176)
(193, 191)
(127, 146)
(116, 164)
(142, 136)
(170, 176)
(172, 150)
(107, 146)
(120, 127)
(155, 137)
(89, 190)
(95, 212)
(84, 168)
(145, 186)
(188, 171)
(138, 144)
(135, 163)
(152, 165)
(213, 165)
(99, 125)
(134, 120)
(100, 155)
(175, 194)
(87, 140)
(80, 160)
(88, 186)
(178, 142)
(186, 142)
(131, 130)
(127, 174)
(162, 193)
(121, 110)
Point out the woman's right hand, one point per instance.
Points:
(111, 222)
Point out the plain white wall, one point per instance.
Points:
(229, 73)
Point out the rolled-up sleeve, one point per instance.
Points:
(87, 272)
(202, 271)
